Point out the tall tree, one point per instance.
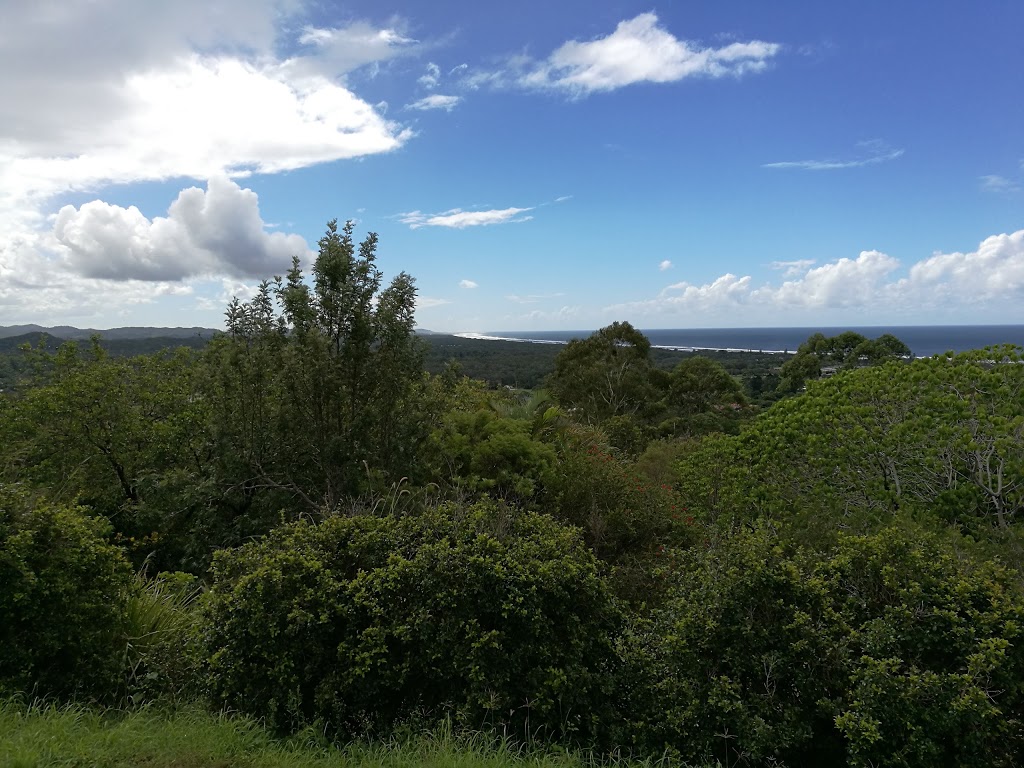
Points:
(323, 394)
(606, 375)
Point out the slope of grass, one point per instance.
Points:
(37, 736)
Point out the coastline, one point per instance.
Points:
(670, 347)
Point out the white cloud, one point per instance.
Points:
(457, 218)
(666, 264)
(205, 233)
(563, 198)
(432, 77)
(958, 285)
(468, 284)
(435, 101)
(995, 183)
(843, 283)
(344, 49)
(639, 50)
(562, 313)
(425, 302)
(995, 271)
(793, 268)
(873, 152)
(533, 298)
(111, 93)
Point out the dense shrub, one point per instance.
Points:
(62, 596)
(935, 648)
(734, 663)
(622, 512)
(890, 651)
(493, 617)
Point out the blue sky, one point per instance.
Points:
(533, 165)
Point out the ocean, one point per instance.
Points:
(923, 340)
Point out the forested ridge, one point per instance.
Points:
(815, 560)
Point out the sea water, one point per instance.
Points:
(923, 340)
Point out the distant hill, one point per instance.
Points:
(12, 343)
(111, 334)
(121, 342)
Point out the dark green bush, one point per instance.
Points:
(891, 650)
(490, 616)
(734, 664)
(62, 598)
(935, 648)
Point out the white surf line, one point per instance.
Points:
(672, 348)
(484, 337)
(720, 349)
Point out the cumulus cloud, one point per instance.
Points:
(435, 101)
(109, 94)
(457, 218)
(468, 284)
(872, 152)
(793, 268)
(867, 286)
(639, 50)
(993, 272)
(666, 264)
(843, 283)
(206, 232)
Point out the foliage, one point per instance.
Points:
(356, 624)
(890, 650)
(622, 513)
(936, 653)
(736, 662)
(161, 661)
(322, 400)
(847, 350)
(62, 596)
(605, 375)
(943, 437)
(483, 452)
(610, 380)
(123, 436)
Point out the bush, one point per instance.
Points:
(935, 645)
(62, 598)
(734, 663)
(890, 651)
(623, 514)
(493, 617)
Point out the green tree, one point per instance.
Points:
(846, 350)
(325, 398)
(125, 436)
(942, 437)
(605, 375)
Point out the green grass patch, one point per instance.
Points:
(40, 735)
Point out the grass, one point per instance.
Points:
(39, 735)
